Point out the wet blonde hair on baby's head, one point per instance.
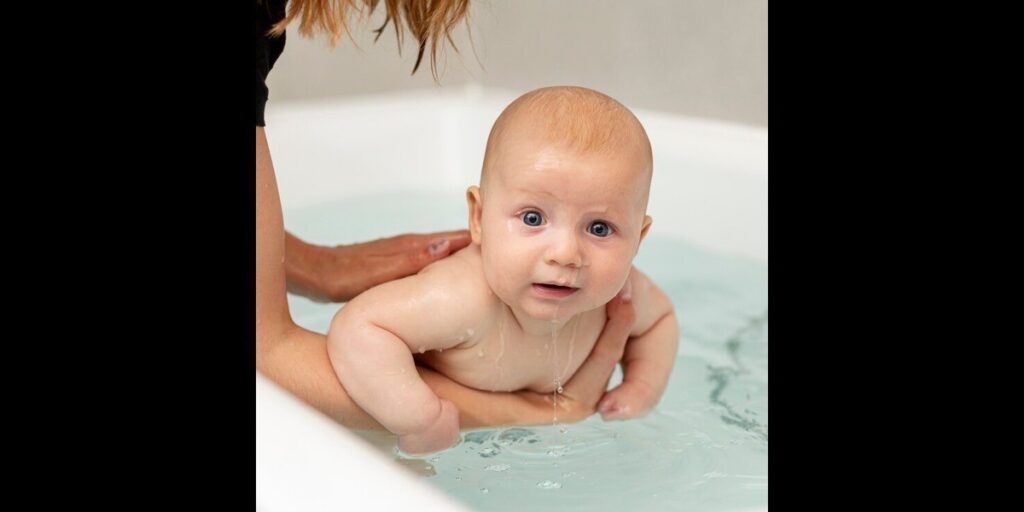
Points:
(576, 118)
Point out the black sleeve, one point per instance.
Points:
(268, 49)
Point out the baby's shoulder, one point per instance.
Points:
(462, 274)
(649, 302)
(464, 263)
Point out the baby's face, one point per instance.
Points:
(559, 228)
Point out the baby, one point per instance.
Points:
(555, 223)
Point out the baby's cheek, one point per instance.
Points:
(506, 272)
(613, 282)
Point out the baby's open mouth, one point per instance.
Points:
(553, 290)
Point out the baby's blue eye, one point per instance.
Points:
(600, 229)
(532, 218)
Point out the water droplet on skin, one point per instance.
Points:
(480, 353)
(560, 389)
(422, 350)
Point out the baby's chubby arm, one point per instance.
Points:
(649, 356)
(370, 344)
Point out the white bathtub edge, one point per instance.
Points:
(306, 462)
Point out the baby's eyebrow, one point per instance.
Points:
(533, 192)
(605, 211)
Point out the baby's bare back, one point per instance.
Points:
(497, 355)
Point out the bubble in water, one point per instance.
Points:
(498, 467)
(489, 452)
(458, 479)
(435, 459)
(563, 429)
(548, 484)
(569, 474)
(484, 490)
(558, 451)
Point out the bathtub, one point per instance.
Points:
(710, 186)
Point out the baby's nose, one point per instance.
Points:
(565, 252)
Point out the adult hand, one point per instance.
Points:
(339, 273)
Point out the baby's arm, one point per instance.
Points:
(370, 345)
(649, 356)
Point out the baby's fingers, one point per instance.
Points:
(625, 402)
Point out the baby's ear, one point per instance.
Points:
(475, 212)
(647, 225)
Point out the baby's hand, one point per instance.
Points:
(631, 399)
(444, 433)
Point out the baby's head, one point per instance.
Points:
(561, 206)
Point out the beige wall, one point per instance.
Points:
(702, 58)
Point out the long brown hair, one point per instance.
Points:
(430, 21)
